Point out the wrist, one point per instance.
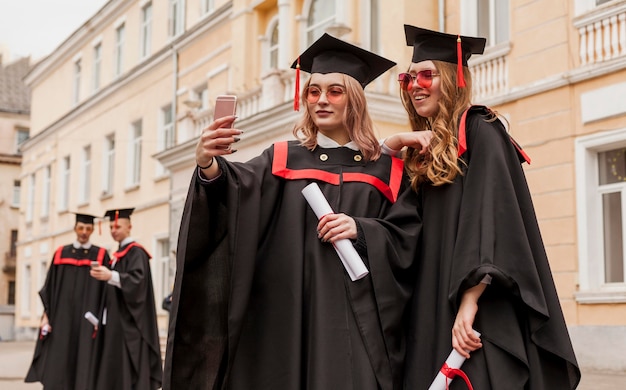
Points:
(207, 166)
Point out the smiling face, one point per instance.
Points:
(121, 229)
(425, 100)
(329, 110)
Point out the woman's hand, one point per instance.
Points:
(216, 140)
(333, 227)
(463, 338)
(418, 140)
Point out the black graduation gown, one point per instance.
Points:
(129, 352)
(260, 302)
(62, 359)
(484, 223)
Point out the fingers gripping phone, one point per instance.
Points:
(225, 105)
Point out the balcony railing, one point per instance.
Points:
(9, 263)
(490, 73)
(602, 33)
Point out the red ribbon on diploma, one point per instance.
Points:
(450, 373)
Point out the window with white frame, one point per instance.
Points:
(374, 21)
(208, 6)
(17, 193)
(77, 75)
(166, 134)
(601, 200)
(47, 187)
(146, 31)
(21, 135)
(97, 66)
(321, 15)
(134, 172)
(162, 270)
(108, 165)
(273, 46)
(25, 292)
(201, 95)
(118, 66)
(487, 18)
(176, 17)
(64, 188)
(85, 176)
(583, 6)
(30, 200)
(43, 272)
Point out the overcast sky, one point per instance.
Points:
(37, 27)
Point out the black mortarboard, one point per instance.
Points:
(434, 45)
(116, 214)
(84, 218)
(331, 55)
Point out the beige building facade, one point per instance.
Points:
(14, 130)
(117, 109)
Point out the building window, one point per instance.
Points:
(167, 136)
(162, 279)
(64, 188)
(135, 154)
(97, 66)
(11, 297)
(77, 74)
(17, 193)
(45, 196)
(85, 176)
(273, 46)
(21, 135)
(321, 15)
(13, 247)
(601, 199)
(600, 2)
(108, 166)
(208, 6)
(176, 17)
(30, 201)
(374, 30)
(487, 18)
(201, 95)
(25, 284)
(118, 66)
(146, 30)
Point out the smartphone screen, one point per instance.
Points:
(225, 105)
(94, 264)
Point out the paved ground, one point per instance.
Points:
(15, 357)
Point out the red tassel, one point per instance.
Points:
(99, 227)
(117, 213)
(460, 80)
(296, 98)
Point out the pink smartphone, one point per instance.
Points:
(225, 105)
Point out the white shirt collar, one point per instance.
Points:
(78, 245)
(329, 143)
(126, 241)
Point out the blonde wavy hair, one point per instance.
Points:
(357, 121)
(442, 165)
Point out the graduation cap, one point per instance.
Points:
(434, 45)
(332, 55)
(85, 218)
(116, 214)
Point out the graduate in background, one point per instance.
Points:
(261, 299)
(482, 262)
(129, 355)
(64, 350)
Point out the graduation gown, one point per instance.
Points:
(62, 359)
(260, 302)
(129, 352)
(484, 223)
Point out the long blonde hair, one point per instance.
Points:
(357, 121)
(441, 166)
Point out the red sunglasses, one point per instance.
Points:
(424, 79)
(334, 94)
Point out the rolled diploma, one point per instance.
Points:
(351, 260)
(91, 318)
(454, 360)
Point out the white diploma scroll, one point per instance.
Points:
(351, 260)
(91, 318)
(454, 360)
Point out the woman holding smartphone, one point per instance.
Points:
(261, 298)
